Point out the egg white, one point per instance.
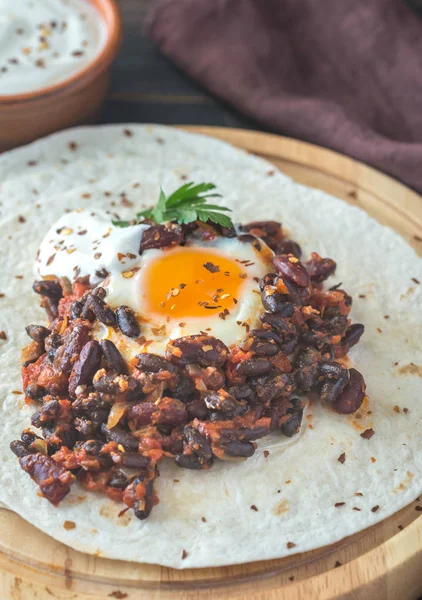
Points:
(104, 246)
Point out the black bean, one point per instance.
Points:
(133, 460)
(269, 388)
(159, 236)
(93, 447)
(286, 331)
(35, 391)
(153, 363)
(353, 334)
(291, 427)
(291, 268)
(254, 367)
(77, 339)
(86, 366)
(76, 309)
(119, 385)
(222, 402)
(118, 479)
(85, 427)
(242, 391)
(127, 322)
(184, 389)
(201, 349)
(113, 359)
(353, 394)
(100, 292)
(28, 437)
(197, 409)
(237, 448)
(38, 333)
(197, 450)
(100, 309)
(126, 439)
(332, 389)
(50, 288)
(143, 507)
(20, 449)
(288, 247)
(332, 370)
(272, 301)
(263, 347)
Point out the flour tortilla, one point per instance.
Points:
(296, 487)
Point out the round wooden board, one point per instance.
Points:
(382, 562)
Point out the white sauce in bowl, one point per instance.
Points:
(44, 42)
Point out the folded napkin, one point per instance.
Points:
(345, 74)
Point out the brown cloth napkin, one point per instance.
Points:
(345, 74)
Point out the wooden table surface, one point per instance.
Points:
(147, 87)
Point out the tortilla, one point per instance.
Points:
(302, 493)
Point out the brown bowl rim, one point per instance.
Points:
(93, 68)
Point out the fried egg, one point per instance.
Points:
(203, 286)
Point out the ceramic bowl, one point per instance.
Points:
(74, 101)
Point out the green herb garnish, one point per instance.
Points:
(186, 204)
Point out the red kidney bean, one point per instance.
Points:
(127, 321)
(53, 479)
(50, 288)
(76, 340)
(290, 267)
(159, 236)
(353, 394)
(320, 268)
(86, 366)
(38, 333)
(288, 247)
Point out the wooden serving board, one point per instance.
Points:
(381, 563)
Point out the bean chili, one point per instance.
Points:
(107, 423)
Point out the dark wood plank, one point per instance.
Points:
(147, 87)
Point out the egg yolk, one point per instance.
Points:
(192, 282)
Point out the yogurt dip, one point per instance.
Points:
(44, 42)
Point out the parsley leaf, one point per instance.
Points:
(185, 205)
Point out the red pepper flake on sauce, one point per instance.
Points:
(367, 434)
(209, 266)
